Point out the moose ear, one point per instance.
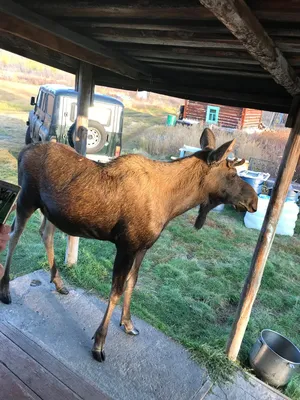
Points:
(207, 140)
(220, 153)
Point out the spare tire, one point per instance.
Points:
(96, 137)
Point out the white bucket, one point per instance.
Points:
(287, 220)
(219, 208)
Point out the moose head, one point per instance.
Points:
(221, 183)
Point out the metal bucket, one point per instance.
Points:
(274, 358)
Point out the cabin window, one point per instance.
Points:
(212, 114)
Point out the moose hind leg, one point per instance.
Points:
(17, 227)
(126, 321)
(123, 264)
(47, 230)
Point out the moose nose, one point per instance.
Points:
(253, 205)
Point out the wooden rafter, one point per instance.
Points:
(37, 53)
(21, 22)
(199, 92)
(241, 22)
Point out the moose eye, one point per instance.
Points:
(233, 174)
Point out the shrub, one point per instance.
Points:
(264, 149)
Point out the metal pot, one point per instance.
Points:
(274, 358)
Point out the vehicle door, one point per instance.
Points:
(44, 131)
(68, 115)
(39, 114)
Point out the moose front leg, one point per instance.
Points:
(131, 281)
(17, 228)
(123, 264)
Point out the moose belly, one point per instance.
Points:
(77, 225)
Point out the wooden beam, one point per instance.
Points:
(168, 10)
(85, 97)
(241, 22)
(155, 10)
(177, 38)
(217, 30)
(183, 61)
(286, 171)
(200, 92)
(85, 89)
(24, 23)
(37, 53)
(177, 66)
(188, 53)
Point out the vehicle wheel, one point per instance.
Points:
(96, 137)
(28, 139)
(70, 135)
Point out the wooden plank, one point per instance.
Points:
(238, 18)
(191, 39)
(178, 67)
(12, 388)
(199, 92)
(158, 10)
(188, 53)
(285, 174)
(217, 31)
(20, 21)
(122, 11)
(186, 61)
(32, 374)
(81, 387)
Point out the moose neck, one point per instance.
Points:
(185, 189)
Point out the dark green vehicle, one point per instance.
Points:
(54, 116)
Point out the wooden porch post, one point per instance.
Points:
(85, 87)
(252, 283)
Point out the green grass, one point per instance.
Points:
(7, 107)
(190, 281)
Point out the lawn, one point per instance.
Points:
(190, 281)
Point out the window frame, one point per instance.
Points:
(208, 111)
(46, 105)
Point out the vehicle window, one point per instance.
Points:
(50, 104)
(104, 114)
(40, 99)
(73, 112)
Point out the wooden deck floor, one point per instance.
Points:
(27, 371)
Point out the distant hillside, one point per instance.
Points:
(17, 69)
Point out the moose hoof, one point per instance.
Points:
(133, 331)
(63, 290)
(98, 355)
(5, 298)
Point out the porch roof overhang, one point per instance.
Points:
(226, 52)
